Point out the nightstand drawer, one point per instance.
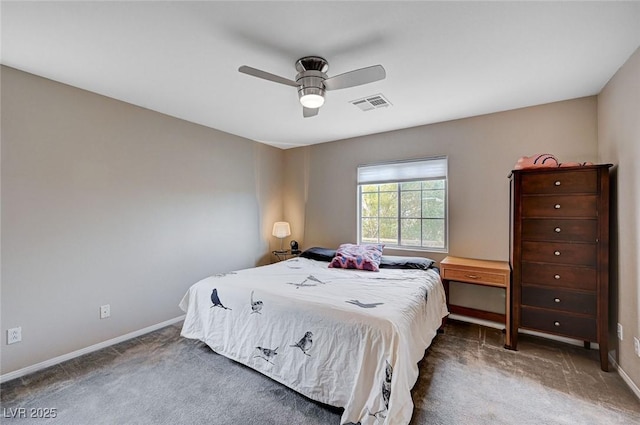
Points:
(560, 253)
(559, 276)
(560, 323)
(471, 275)
(560, 206)
(561, 182)
(559, 230)
(559, 299)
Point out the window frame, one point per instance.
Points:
(398, 218)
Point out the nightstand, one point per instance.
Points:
(479, 272)
(285, 254)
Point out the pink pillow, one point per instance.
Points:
(361, 257)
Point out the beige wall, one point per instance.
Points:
(320, 194)
(107, 203)
(619, 143)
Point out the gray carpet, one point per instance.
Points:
(465, 378)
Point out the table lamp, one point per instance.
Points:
(281, 230)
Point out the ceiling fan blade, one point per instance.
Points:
(355, 78)
(267, 76)
(309, 112)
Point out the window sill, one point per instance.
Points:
(415, 249)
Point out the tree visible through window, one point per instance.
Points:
(409, 213)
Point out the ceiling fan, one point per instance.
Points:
(312, 80)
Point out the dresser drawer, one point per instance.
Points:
(561, 182)
(560, 230)
(559, 323)
(582, 254)
(560, 206)
(471, 275)
(560, 299)
(559, 276)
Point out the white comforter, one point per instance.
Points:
(347, 338)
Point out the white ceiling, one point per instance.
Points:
(444, 60)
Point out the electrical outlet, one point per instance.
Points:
(620, 334)
(636, 346)
(14, 335)
(105, 311)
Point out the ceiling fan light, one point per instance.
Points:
(310, 96)
(312, 100)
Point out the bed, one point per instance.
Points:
(347, 338)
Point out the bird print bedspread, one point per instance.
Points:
(347, 338)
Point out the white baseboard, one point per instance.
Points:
(51, 362)
(56, 360)
(625, 377)
(482, 322)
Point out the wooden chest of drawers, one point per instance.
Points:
(559, 253)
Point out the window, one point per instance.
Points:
(404, 204)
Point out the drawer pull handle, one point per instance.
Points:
(556, 323)
(558, 183)
(556, 300)
(556, 206)
(556, 276)
(556, 253)
(557, 230)
(471, 276)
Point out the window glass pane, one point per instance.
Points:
(369, 205)
(410, 186)
(404, 203)
(410, 204)
(433, 233)
(389, 187)
(433, 184)
(369, 187)
(410, 232)
(389, 231)
(433, 204)
(389, 205)
(369, 230)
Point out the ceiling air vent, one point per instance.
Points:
(369, 103)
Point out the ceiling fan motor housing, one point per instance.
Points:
(312, 72)
(311, 83)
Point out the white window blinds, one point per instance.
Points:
(422, 169)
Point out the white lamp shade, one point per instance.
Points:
(281, 229)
